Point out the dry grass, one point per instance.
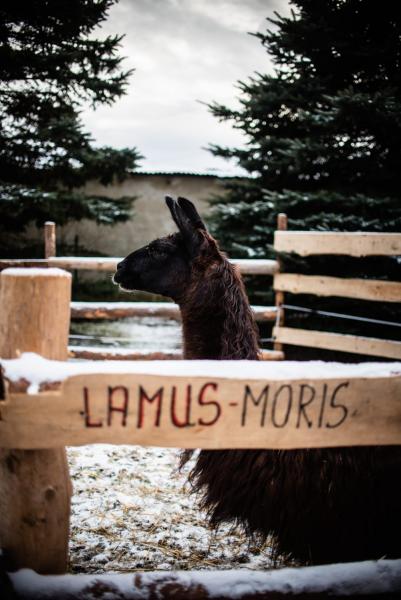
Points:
(131, 511)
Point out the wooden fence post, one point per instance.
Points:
(50, 239)
(282, 223)
(35, 487)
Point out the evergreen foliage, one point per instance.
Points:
(323, 131)
(53, 66)
(323, 145)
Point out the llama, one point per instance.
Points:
(318, 505)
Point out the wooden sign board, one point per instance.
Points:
(203, 411)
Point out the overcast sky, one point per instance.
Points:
(183, 52)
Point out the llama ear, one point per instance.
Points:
(189, 223)
(191, 213)
(174, 210)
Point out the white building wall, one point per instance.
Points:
(151, 217)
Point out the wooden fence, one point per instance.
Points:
(46, 403)
(305, 243)
(121, 310)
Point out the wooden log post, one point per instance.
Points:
(50, 239)
(35, 487)
(282, 224)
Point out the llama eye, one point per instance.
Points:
(156, 253)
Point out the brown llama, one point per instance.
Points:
(320, 506)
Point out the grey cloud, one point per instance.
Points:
(183, 51)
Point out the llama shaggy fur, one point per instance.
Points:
(320, 505)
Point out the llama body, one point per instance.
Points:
(321, 506)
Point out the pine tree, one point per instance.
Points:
(323, 145)
(323, 131)
(53, 66)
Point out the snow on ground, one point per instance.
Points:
(131, 511)
(135, 333)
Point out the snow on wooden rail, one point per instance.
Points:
(367, 579)
(307, 243)
(112, 353)
(199, 404)
(107, 353)
(100, 263)
(120, 310)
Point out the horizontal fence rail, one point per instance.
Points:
(338, 341)
(95, 263)
(119, 310)
(369, 579)
(199, 404)
(320, 285)
(103, 353)
(356, 244)
(308, 243)
(107, 353)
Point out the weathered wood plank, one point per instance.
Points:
(121, 310)
(94, 263)
(200, 404)
(337, 341)
(101, 353)
(257, 266)
(307, 243)
(50, 239)
(320, 285)
(246, 266)
(6, 263)
(101, 263)
(370, 579)
(271, 355)
(35, 487)
(282, 225)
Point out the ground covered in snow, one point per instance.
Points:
(131, 511)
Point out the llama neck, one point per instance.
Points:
(217, 319)
(202, 335)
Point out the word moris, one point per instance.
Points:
(287, 405)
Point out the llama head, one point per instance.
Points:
(165, 266)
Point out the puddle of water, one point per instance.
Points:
(136, 333)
